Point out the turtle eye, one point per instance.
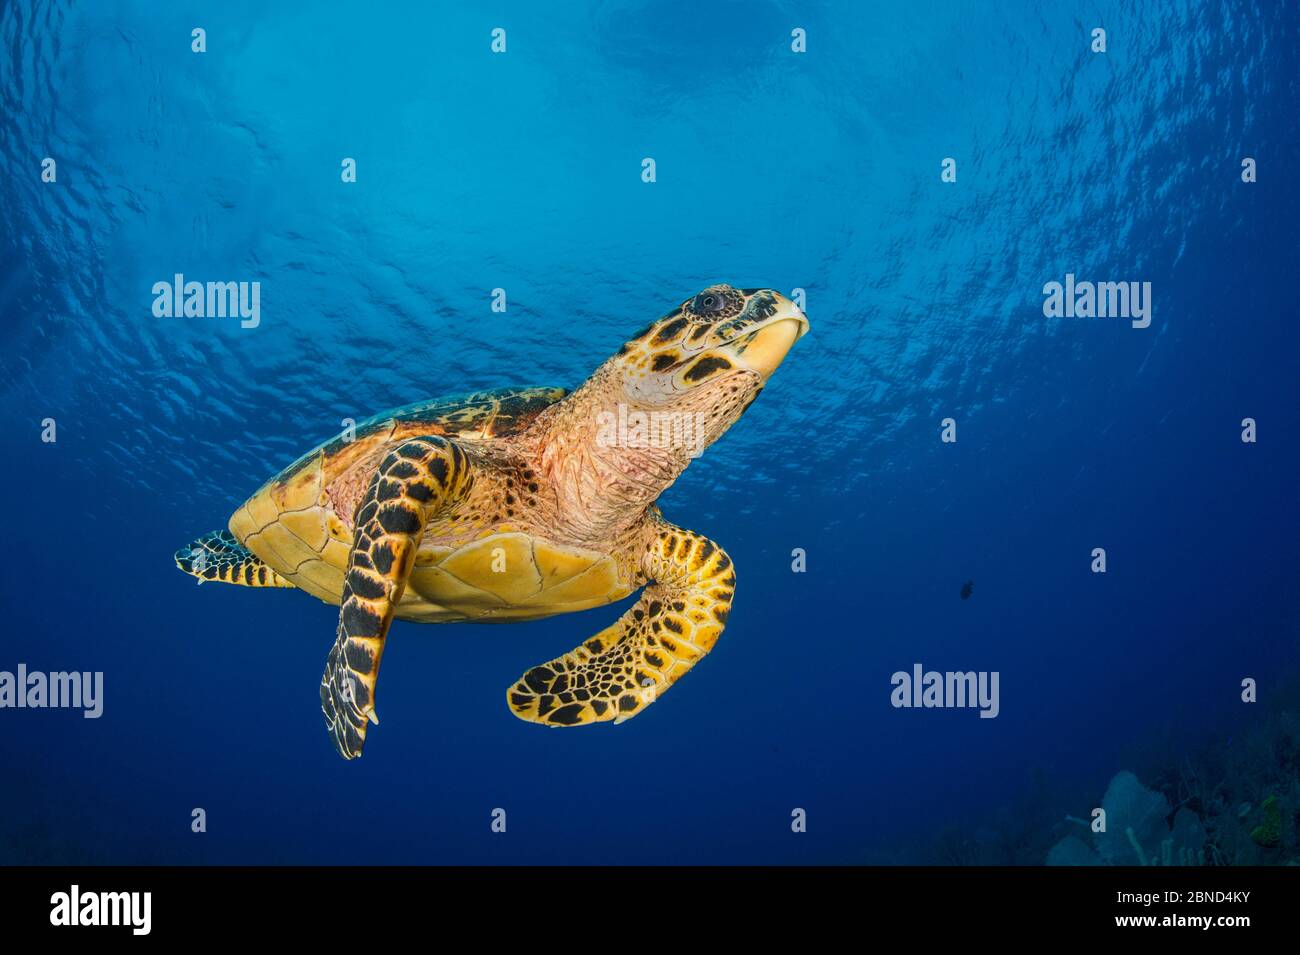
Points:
(708, 303)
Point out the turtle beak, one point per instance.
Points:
(765, 347)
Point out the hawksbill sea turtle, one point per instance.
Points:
(519, 504)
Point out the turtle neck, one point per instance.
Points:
(603, 483)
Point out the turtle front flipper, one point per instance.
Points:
(413, 483)
(218, 556)
(626, 667)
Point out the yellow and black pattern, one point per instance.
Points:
(218, 556)
(413, 483)
(626, 667)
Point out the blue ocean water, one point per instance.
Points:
(819, 171)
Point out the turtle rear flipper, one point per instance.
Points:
(218, 556)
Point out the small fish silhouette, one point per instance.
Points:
(966, 589)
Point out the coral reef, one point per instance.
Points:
(1269, 832)
(1141, 829)
(1246, 788)
(1232, 799)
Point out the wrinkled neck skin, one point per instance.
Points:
(602, 488)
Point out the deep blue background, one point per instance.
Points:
(522, 171)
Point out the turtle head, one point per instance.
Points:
(709, 357)
(614, 445)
